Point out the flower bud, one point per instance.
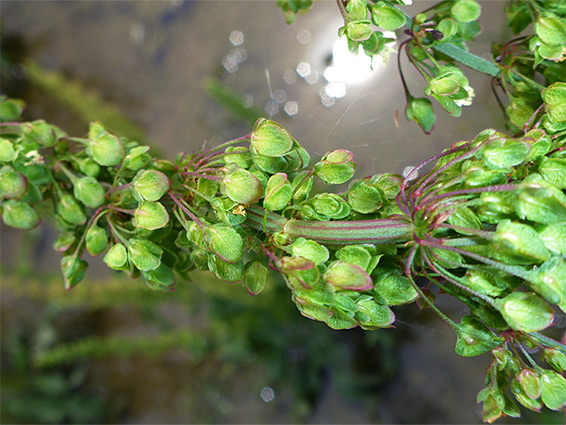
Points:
(19, 214)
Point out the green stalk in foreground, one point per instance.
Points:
(484, 223)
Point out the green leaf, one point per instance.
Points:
(421, 111)
(474, 338)
(96, 240)
(7, 151)
(270, 139)
(150, 215)
(144, 254)
(554, 97)
(465, 10)
(19, 214)
(551, 30)
(387, 17)
(151, 185)
(553, 390)
(255, 277)
(90, 192)
(278, 193)
(116, 257)
(226, 242)
(395, 289)
(358, 30)
(518, 16)
(342, 275)
(310, 250)
(525, 312)
(71, 210)
(13, 185)
(73, 269)
(243, 187)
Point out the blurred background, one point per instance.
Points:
(180, 75)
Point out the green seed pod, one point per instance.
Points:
(150, 185)
(278, 192)
(448, 27)
(539, 141)
(358, 30)
(554, 97)
(485, 283)
(365, 199)
(242, 187)
(90, 192)
(465, 10)
(550, 30)
(270, 139)
(19, 214)
(310, 250)
(395, 289)
(150, 216)
(553, 390)
(387, 17)
(342, 275)
(13, 185)
(144, 254)
(336, 167)
(64, 241)
(137, 158)
(548, 281)
(496, 206)
(88, 167)
(104, 148)
(299, 271)
(518, 243)
(239, 155)
(355, 254)
(160, 279)
(553, 170)
(375, 315)
(10, 109)
(7, 151)
(529, 380)
(73, 270)
(270, 165)
(70, 210)
(540, 201)
(525, 312)
(96, 240)
(311, 311)
(298, 158)
(524, 399)
(302, 186)
(474, 338)
(255, 277)
(116, 257)
(226, 243)
(389, 184)
(340, 320)
(228, 272)
(41, 132)
(328, 204)
(554, 237)
(504, 153)
(357, 9)
(555, 358)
